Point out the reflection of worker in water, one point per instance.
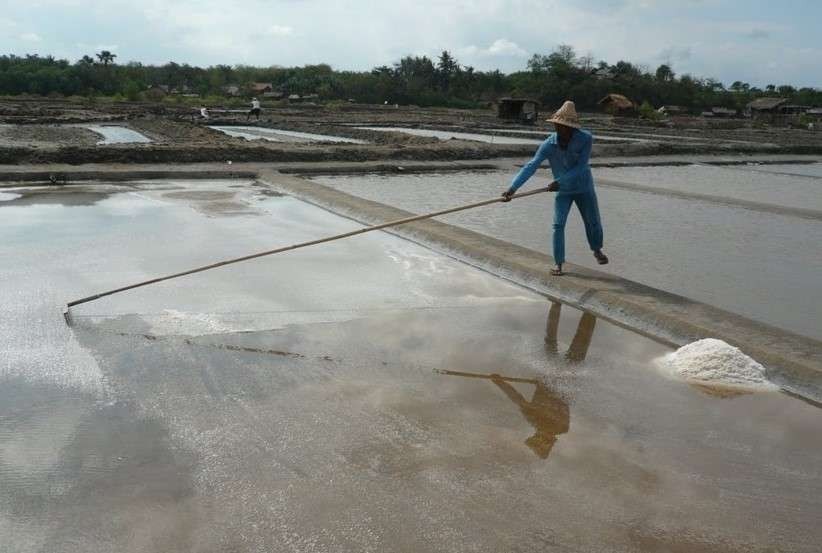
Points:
(547, 412)
(582, 339)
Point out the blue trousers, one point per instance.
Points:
(588, 208)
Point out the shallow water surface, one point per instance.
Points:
(280, 135)
(763, 183)
(116, 134)
(364, 395)
(762, 265)
(448, 135)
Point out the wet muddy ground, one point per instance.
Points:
(39, 136)
(367, 395)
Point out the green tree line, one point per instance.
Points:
(549, 78)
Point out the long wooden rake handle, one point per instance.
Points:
(87, 299)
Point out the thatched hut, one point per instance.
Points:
(523, 110)
(617, 104)
(765, 109)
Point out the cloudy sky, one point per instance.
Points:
(756, 41)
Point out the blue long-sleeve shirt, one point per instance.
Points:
(569, 166)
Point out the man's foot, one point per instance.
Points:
(602, 259)
(557, 271)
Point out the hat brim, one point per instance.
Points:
(564, 123)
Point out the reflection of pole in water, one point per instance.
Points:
(582, 339)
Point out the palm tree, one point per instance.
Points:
(106, 57)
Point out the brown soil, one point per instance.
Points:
(178, 135)
(37, 136)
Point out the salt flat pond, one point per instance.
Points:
(280, 135)
(367, 394)
(759, 264)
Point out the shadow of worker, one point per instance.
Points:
(547, 411)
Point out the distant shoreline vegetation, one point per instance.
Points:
(416, 80)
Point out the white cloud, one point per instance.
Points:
(504, 47)
(280, 30)
(30, 37)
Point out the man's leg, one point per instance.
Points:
(552, 328)
(582, 339)
(562, 205)
(589, 209)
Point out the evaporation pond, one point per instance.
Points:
(448, 135)
(763, 265)
(797, 186)
(117, 134)
(280, 135)
(361, 395)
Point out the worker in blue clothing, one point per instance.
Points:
(568, 150)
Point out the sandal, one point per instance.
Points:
(556, 272)
(602, 259)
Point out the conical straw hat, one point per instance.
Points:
(566, 115)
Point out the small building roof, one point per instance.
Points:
(727, 111)
(514, 100)
(618, 100)
(261, 87)
(764, 104)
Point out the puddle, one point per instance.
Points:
(363, 395)
(115, 134)
(279, 135)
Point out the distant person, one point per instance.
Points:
(255, 109)
(568, 150)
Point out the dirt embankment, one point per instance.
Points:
(156, 153)
(178, 135)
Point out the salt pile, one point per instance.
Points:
(715, 362)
